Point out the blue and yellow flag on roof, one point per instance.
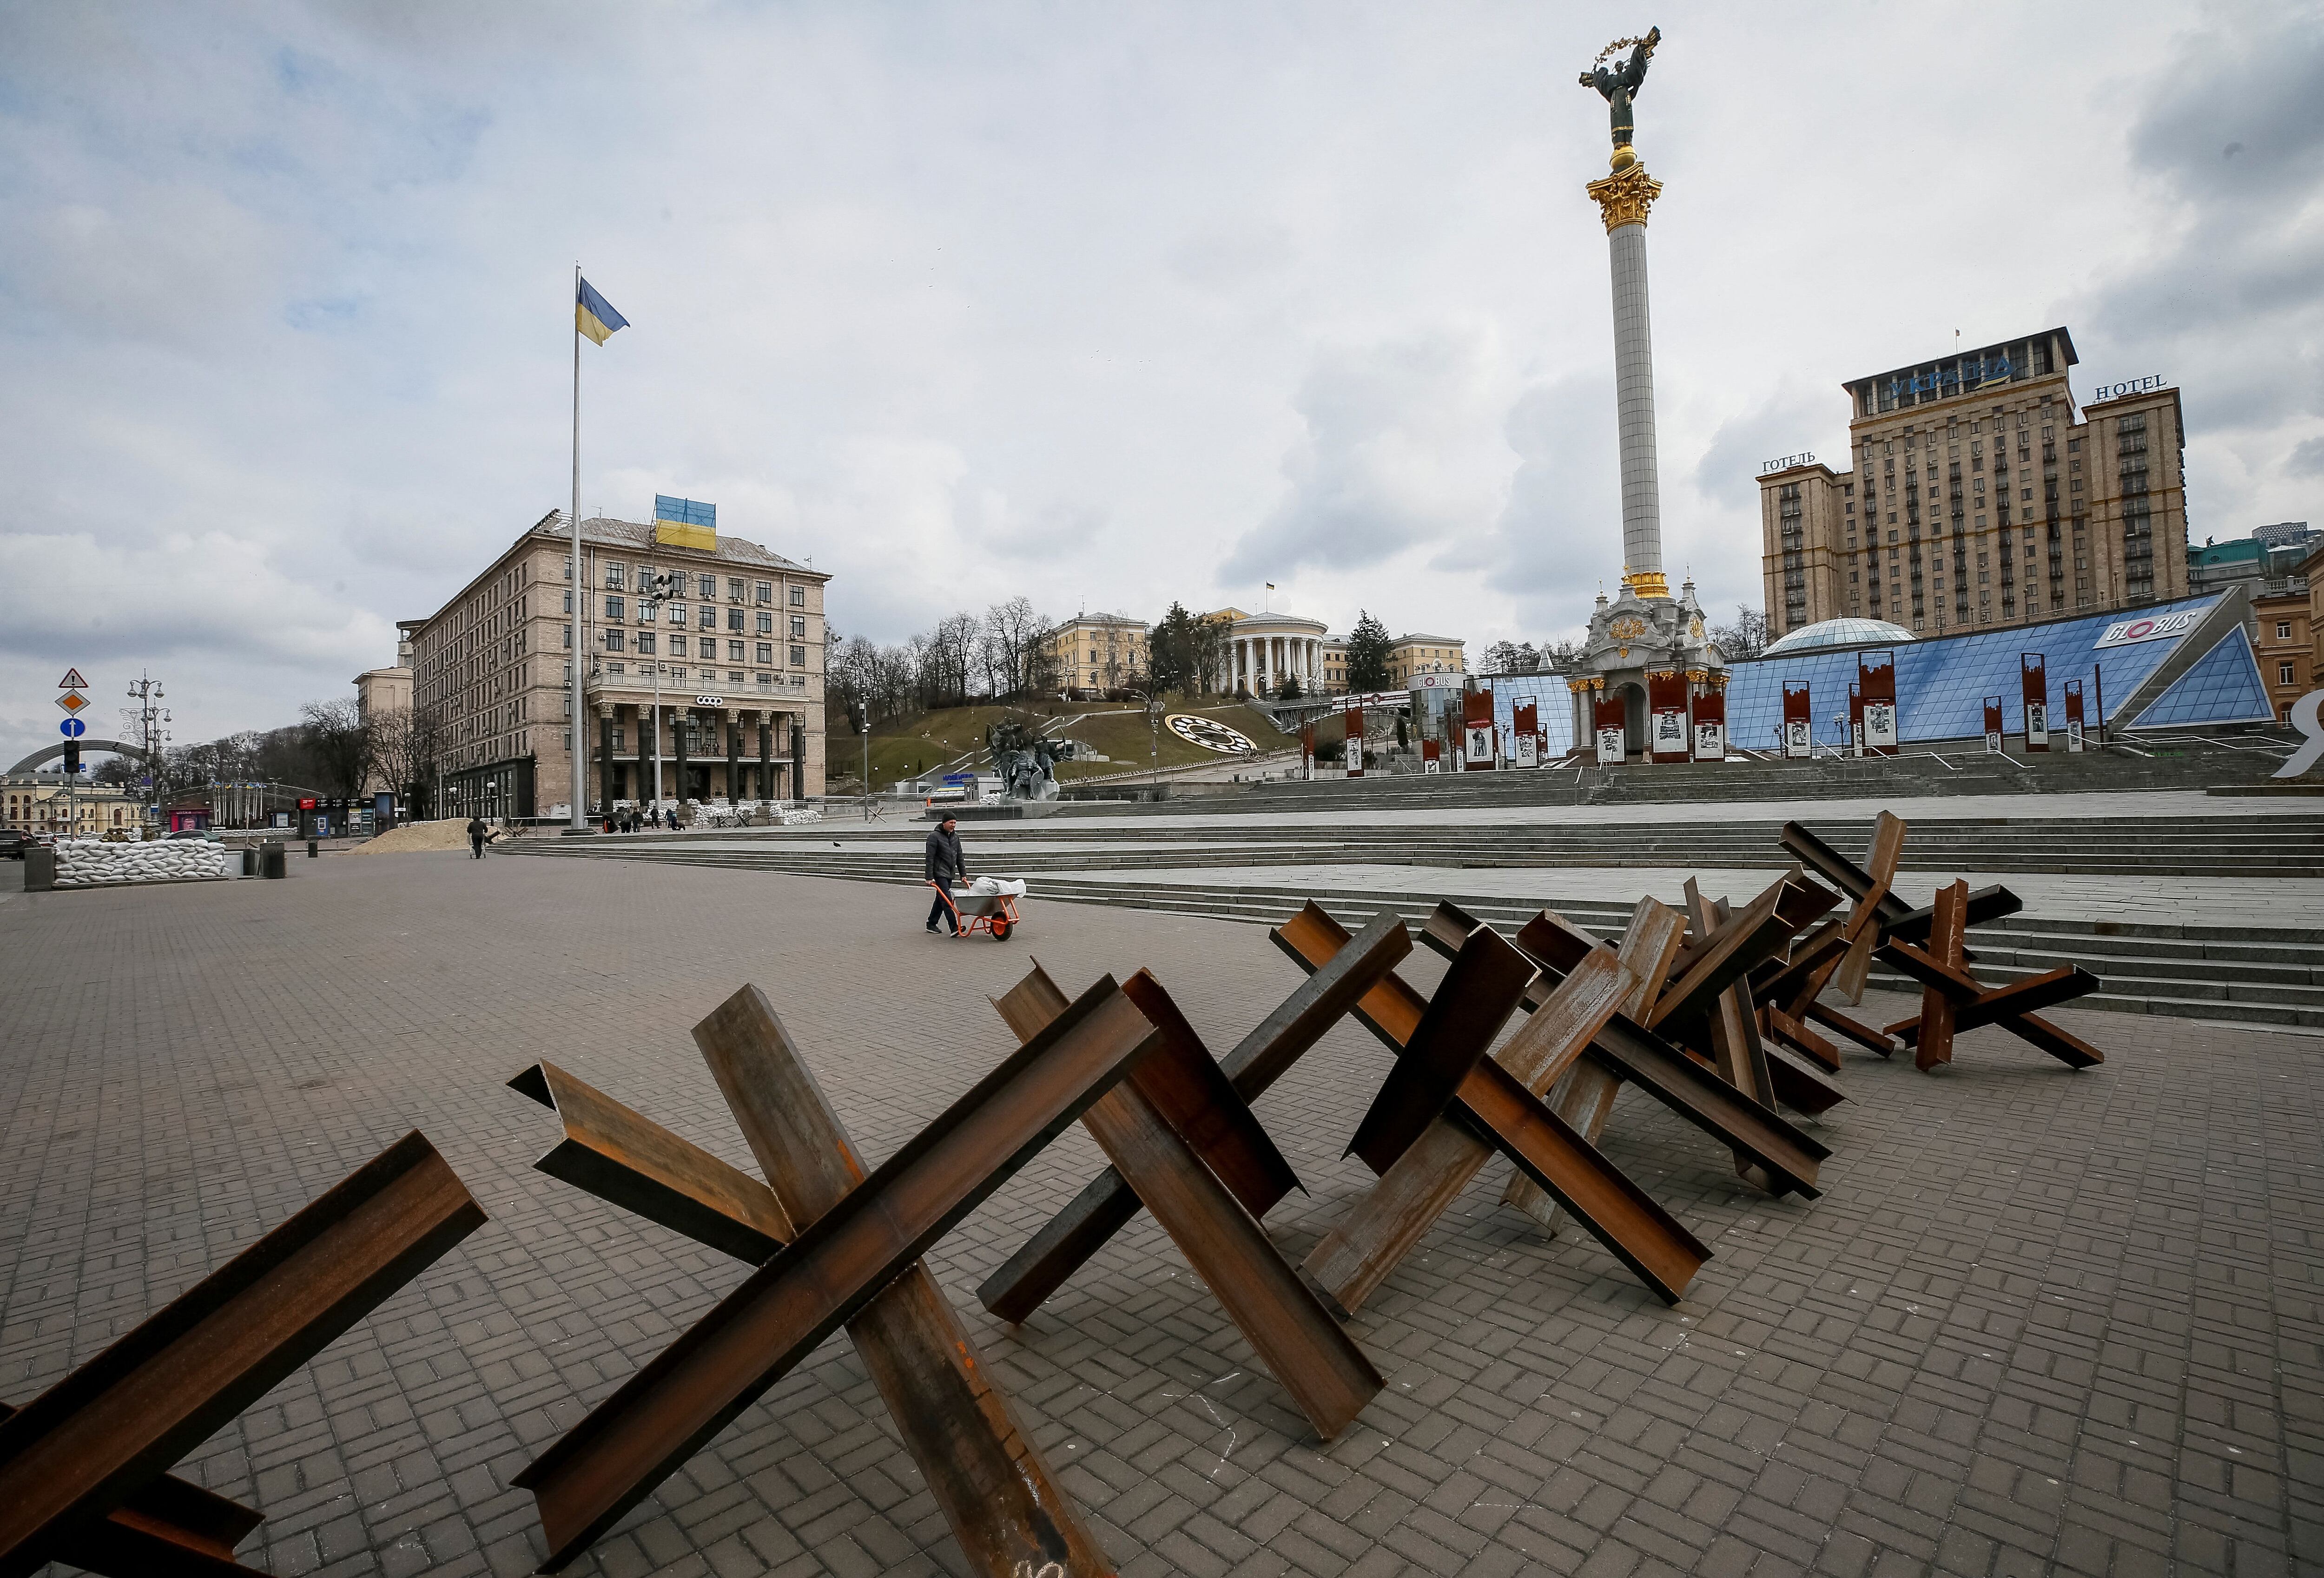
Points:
(595, 316)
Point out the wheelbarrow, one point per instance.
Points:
(993, 914)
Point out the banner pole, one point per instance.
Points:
(580, 730)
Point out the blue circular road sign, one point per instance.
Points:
(73, 728)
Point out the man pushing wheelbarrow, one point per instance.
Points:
(966, 913)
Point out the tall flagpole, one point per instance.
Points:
(580, 592)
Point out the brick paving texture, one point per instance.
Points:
(2040, 1321)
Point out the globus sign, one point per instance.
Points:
(2124, 632)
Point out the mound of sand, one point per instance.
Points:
(415, 836)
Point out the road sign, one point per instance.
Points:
(72, 701)
(72, 681)
(71, 728)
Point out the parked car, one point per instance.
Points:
(14, 842)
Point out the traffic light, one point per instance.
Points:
(73, 758)
(858, 717)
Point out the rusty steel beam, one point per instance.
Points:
(1973, 1004)
(1799, 1038)
(1864, 927)
(1719, 957)
(1625, 1050)
(1867, 1036)
(1152, 1146)
(168, 1526)
(1495, 1109)
(1107, 1204)
(994, 1487)
(84, 1449)
(1476, 997)
(1391, 1009)
(838, 1264)
(1985, 904)
(610, 1151)
(1389, 1218)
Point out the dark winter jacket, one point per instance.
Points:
(944, 862)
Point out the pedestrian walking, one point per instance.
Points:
(476, 831)
(944, 866)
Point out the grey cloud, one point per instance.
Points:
(1377, 471)
(1785, 423)
(1561, 526)
(2307, 460)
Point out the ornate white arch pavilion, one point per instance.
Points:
(1263, 648)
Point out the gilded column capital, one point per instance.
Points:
(1624, 197)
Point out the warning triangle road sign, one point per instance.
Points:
(72, 681)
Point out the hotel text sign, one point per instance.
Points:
(2115, 391)
(1785, 463)
(1991, 369)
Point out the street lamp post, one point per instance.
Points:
(659, 581)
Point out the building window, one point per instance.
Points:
(2283, 674)
(734, 619)
(766, 623)
(614, 608)
(615, 576)
(798, 597)
(704, 585)
(733, 652)
(709, 618)
(645, 642)
(613, 641)
(733, 589)
(766, 592)
(678, 646)
(798, 657)
(766, 652)
(2283, 629)
(798, 627)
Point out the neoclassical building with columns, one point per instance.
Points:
(1263, 649)
(737, 646)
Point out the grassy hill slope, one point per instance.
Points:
(953, 739)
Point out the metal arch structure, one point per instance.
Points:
(32, 762)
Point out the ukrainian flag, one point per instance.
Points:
(594, 317)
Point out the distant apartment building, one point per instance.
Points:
(1974, 495)
(1090, 653)
(42, 803)
(1410, 656)
(733, 636)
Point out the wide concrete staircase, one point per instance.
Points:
(2256, 974)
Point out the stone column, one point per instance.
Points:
(733, 755)
(766, 755)
(678, 718)
(1624, 198)
(605, 795)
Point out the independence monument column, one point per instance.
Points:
(1623, 198)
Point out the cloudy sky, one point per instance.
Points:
(1104, 304)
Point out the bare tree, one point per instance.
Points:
(1746, 637)
(1016, 631)
(340, 738)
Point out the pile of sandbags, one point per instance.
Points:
(93, 863)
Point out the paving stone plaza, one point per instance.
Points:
(2040, 1320)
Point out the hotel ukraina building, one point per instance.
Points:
(1976, 496)
(738, 643)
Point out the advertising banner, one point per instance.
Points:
(1666, 708)
(2073, 715)
(2158, 627)
(1307, 750)
(1354, 760)
(2033, 687)
(1710, 727)
(1477, 732)
(1798, 723)
(1992, 726)
(1525, 734)
(1612, 730)
(1876, 680)
(1432, 756)
(1855, 722)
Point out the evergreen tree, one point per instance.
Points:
(1368, 653)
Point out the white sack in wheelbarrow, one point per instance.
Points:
(987, 886)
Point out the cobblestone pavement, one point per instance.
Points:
(2039, 1320)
